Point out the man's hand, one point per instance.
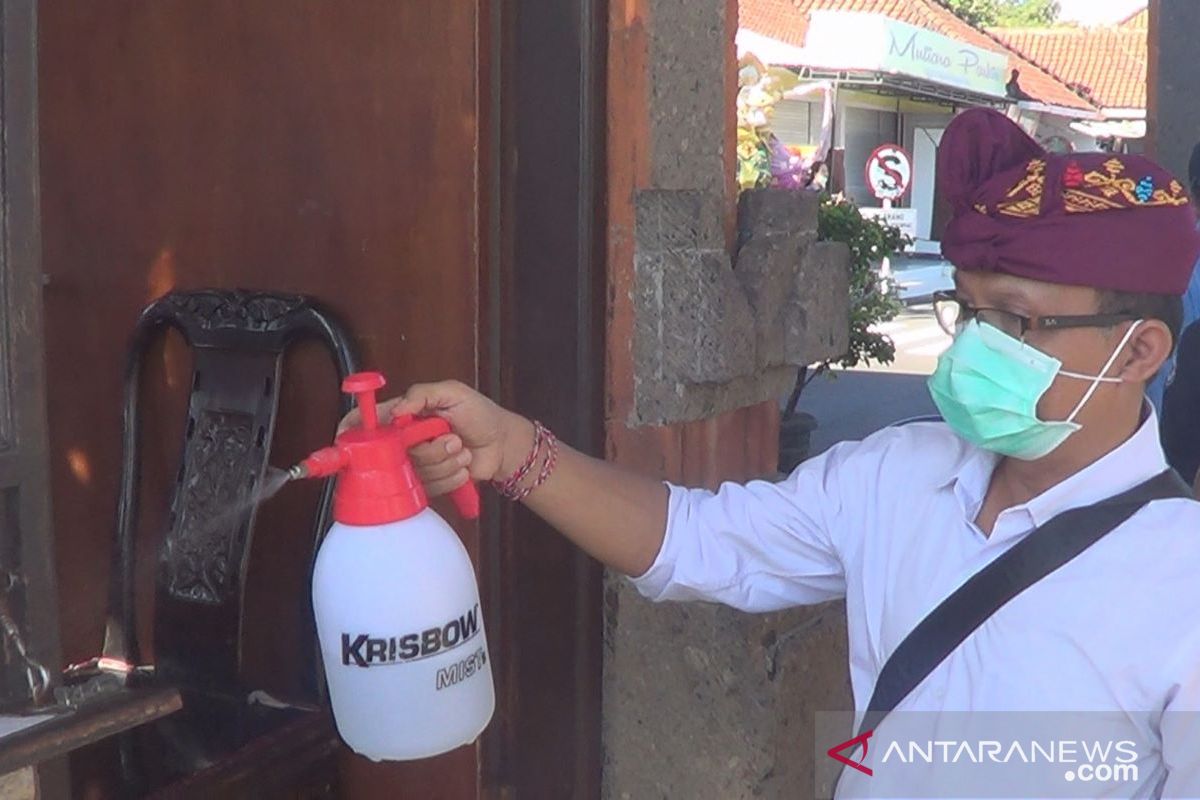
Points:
(617, 517)
(485, 443)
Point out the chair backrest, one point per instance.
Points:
(238, 340)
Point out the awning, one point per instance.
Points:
(878, 43)
(902, 86)
(1059, 111)
(1112, 128)
(876, 74)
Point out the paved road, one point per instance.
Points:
(858, 402)
(919, 341)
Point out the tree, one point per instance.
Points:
(980, 13)
(1028, 13)
(1006, 13)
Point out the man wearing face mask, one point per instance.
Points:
(1032, 552)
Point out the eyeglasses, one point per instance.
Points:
(953, 314)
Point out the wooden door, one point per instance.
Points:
(369, 154)
(328, 148)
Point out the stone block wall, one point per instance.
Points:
(705, 702)
(715, 333)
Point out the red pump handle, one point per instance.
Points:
(414, 431)
(364, 385)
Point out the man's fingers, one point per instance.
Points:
(425, 398)
(444, 468)
(437, 488)
(349, 421)
(440, 459)
(436, 451)
(420, 399)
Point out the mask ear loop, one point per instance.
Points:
(1099, 379)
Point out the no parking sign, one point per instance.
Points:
(889, 172)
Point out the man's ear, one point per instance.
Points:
(1147, 349)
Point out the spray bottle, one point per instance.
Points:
(394, 593)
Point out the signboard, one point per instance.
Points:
(853, 40)
(889, 172)
(903, 218)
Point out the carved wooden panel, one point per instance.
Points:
(241, 310)
(217, 480)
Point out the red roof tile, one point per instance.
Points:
(1107, 64)
(787, 21)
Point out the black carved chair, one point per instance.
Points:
(238, 341)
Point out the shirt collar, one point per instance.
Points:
(1137, 459)
(971, 480)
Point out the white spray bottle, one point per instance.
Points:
(394, 592)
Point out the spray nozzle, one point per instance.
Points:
(378, 481)
(321, 464)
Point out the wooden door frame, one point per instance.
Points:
(24, 448)
(542, 353)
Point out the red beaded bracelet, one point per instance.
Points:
(509, 487)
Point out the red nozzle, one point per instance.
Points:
(325, 462)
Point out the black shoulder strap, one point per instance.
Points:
(1044, 550)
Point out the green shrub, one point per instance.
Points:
(870, 241)
(872, 299)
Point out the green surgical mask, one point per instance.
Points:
(987, 386)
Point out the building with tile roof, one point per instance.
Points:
(787, 21)
(1105, 64)
(897, 72)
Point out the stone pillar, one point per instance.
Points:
(713, 305)
(1173, 94)
(705, 702)
(715, 331)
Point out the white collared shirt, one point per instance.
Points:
(888, 523)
